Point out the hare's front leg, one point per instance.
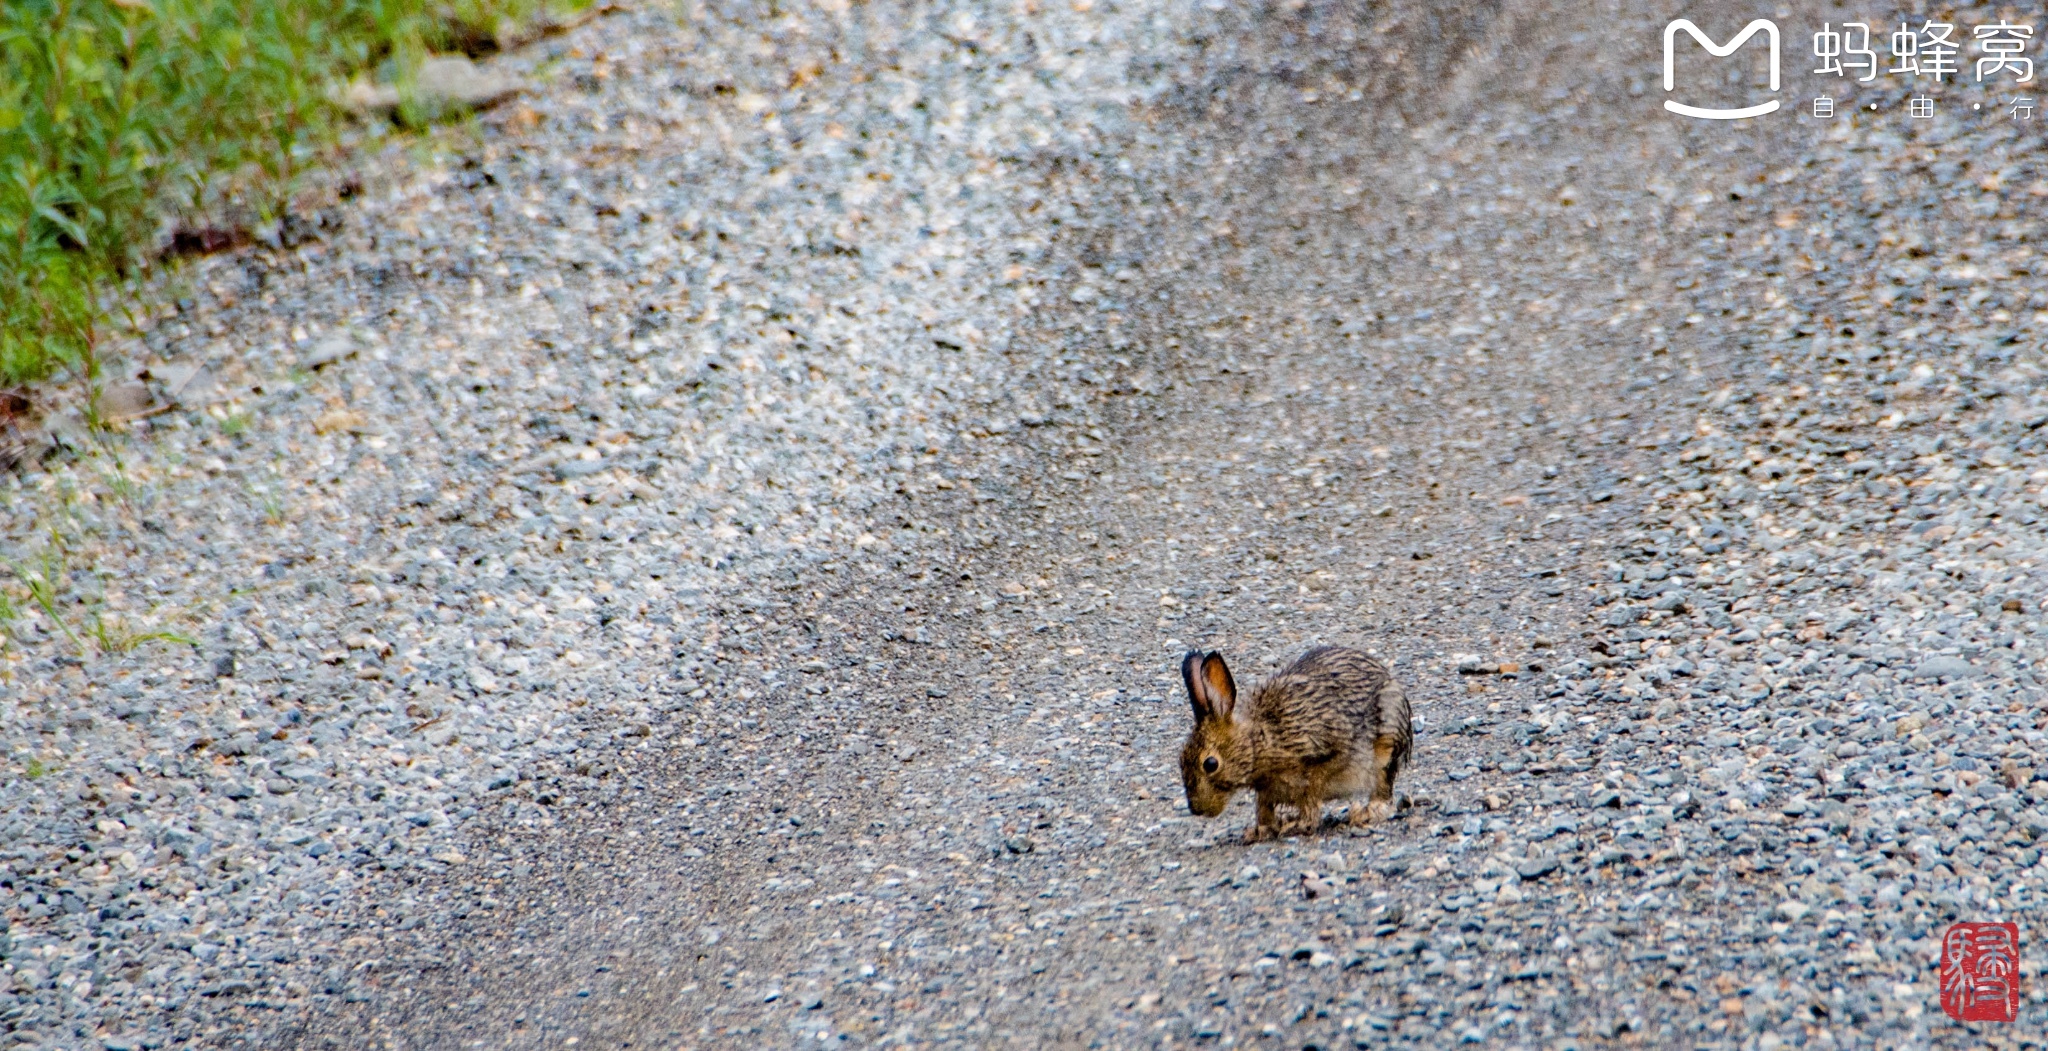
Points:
(1268, 824)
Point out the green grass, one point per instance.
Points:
(113, 635)
(118, 114)
(45, 583)
(47, 576)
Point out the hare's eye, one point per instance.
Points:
(1210, 765)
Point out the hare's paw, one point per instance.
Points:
(1260, 833)
(1371, 812)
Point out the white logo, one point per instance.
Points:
(1761, 25)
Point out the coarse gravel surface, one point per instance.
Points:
(701, 558)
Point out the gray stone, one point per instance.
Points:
(443, 85)
(328, 351)
(126, 400)
(1945, 668)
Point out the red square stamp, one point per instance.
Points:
(1980, 972)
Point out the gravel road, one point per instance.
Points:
(701, 558)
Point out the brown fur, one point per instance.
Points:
(1334, 724)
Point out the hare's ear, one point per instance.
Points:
(1191, 675)
(1220, 689)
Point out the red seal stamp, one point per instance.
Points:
(1980, 972)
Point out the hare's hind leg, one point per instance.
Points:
(1310, 815)
(1386, 763)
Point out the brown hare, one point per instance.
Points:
(1332, 725)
